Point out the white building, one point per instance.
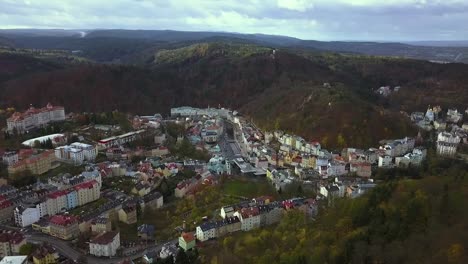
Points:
(76, 153)
(206, 231)
(385, 161)
(26, 216)
(10, 157)
(67, 153)
(447, 144)
(34, 118)
(105, 244)
(89, 151)
(454, 116)
(249, 217)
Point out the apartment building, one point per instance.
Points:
(64, 226)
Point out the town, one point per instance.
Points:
(148, 188)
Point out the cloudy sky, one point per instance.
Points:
(307, 19)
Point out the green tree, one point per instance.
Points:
(26, 249)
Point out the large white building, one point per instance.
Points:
(105, 244)
(76, 153)
(26, 216)
(447, 144)
(34, 118)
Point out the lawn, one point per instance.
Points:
(63, 168)
(248, 187)
(88, 207)
(127, 232)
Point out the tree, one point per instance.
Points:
(182, 257)
(82, 259)
(26, 249)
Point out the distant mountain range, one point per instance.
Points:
(128, 43)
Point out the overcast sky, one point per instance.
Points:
(306, 19)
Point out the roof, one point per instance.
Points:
(14, 260)
(63, 220)
(188, 237)
(30, 142)
(43, 251)
(145, 228)
(104, 238)
(85, 185)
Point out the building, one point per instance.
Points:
(447, 143)
(101, 225)
(6, 210)
(14, 260)
(120, 140)
(45, 254)
(206, 231)
(26, 216)
(128, 214)
(453, 116)
(10, 242)
(362, 169)
(146, 232)
(56, 202)
(153, 200)
(64, 226)
(249, 217)
(385, 161)
(76, 153)
(10, 157)
(227, 211)
(169, 250)
(35, 118)
(87, 192)
(186, 241)
(36, 163)
(105, 244)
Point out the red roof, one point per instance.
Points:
(33, 111)
(4, 204)
(249, 212)
(85, 185)
(188, 237)
(57, 194)
(63, 220)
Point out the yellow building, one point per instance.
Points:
(87, 192)
(64, 226)
(36, 163)
(45, 254)
(128, 215)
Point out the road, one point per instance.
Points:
(66, 250)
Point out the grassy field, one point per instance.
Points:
(248, 187)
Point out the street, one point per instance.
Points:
(66, 250)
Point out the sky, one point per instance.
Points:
(381, 20)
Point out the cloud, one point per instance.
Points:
(307, 19)
(297, 5)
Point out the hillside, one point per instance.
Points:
(278, 89)
(406, 221)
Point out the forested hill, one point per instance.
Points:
(408, 221)
(278, 88)
(127, 46)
